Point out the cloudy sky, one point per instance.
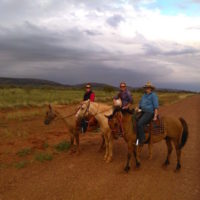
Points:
(75, 41)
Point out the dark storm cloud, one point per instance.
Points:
(32, 45)
(115, 20)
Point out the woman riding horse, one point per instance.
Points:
(149, 106)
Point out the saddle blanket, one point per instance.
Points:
(155, 127)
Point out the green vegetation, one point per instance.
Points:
(24, 97)
(41, 157)
(62, 146)
(24, 152)
(21, 164)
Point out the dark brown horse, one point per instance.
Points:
(176, 131)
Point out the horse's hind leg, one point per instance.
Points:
(178, 154)
(169, 148)
(150, 150)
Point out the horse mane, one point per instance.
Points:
(119, 109)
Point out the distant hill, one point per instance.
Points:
(26, 82)
(95, 86)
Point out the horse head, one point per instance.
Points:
(83, 109)
(114, 121)
(50, 115)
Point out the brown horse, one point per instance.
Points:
(57, 112)
(176, 131)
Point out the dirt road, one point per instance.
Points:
(87, 176)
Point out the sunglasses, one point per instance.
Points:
(122, 86)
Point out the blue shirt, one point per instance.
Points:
(125, 97)
(149, 102)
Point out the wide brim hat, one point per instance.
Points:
(149, 85)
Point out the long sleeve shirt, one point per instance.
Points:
(149, 102)
(125, 97)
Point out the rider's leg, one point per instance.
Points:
(145, 119)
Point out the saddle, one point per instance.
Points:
(155, 127)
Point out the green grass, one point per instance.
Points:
(24, 152)
(41, 157)
(21, 164)
(19, 97)
(62, 146)
(24, 97)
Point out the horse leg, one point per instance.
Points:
(135, 155)
(138, 151)
(107, 147)
(130, 151)
(150, 150)
(178, 155)
(110, 146)
(102, 143)
(77, 144)
(169, 148)
(72, 140)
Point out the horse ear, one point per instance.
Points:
(108, 116)
(50, 108)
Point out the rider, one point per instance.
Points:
(126, 99)
(89, 94)
(149, 106)
(125, 96)
(90, 121)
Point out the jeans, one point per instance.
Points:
(145, 119)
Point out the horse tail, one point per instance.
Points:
(184, 133)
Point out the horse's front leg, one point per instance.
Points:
(77, 143)
(107, 147)
(110, 148)
(138, 151)
(130, 151)
(102, 143)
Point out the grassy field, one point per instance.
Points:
(25, 97)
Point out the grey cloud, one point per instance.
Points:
(153, 49)
(115, 20)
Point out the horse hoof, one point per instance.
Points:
(138, 165)
(178, 167)
(150, 157)
(126, 169)
(166, 163)
(109, 160)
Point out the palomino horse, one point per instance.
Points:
(57, 112)
(176, 131)
(99, 110)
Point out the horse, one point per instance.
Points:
(176, 131)
(99, 110)
(57, 112)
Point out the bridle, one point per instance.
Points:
(115, 130)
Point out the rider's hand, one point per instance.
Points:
(124, 107)
(154, 118)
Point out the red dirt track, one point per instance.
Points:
(87, 176)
